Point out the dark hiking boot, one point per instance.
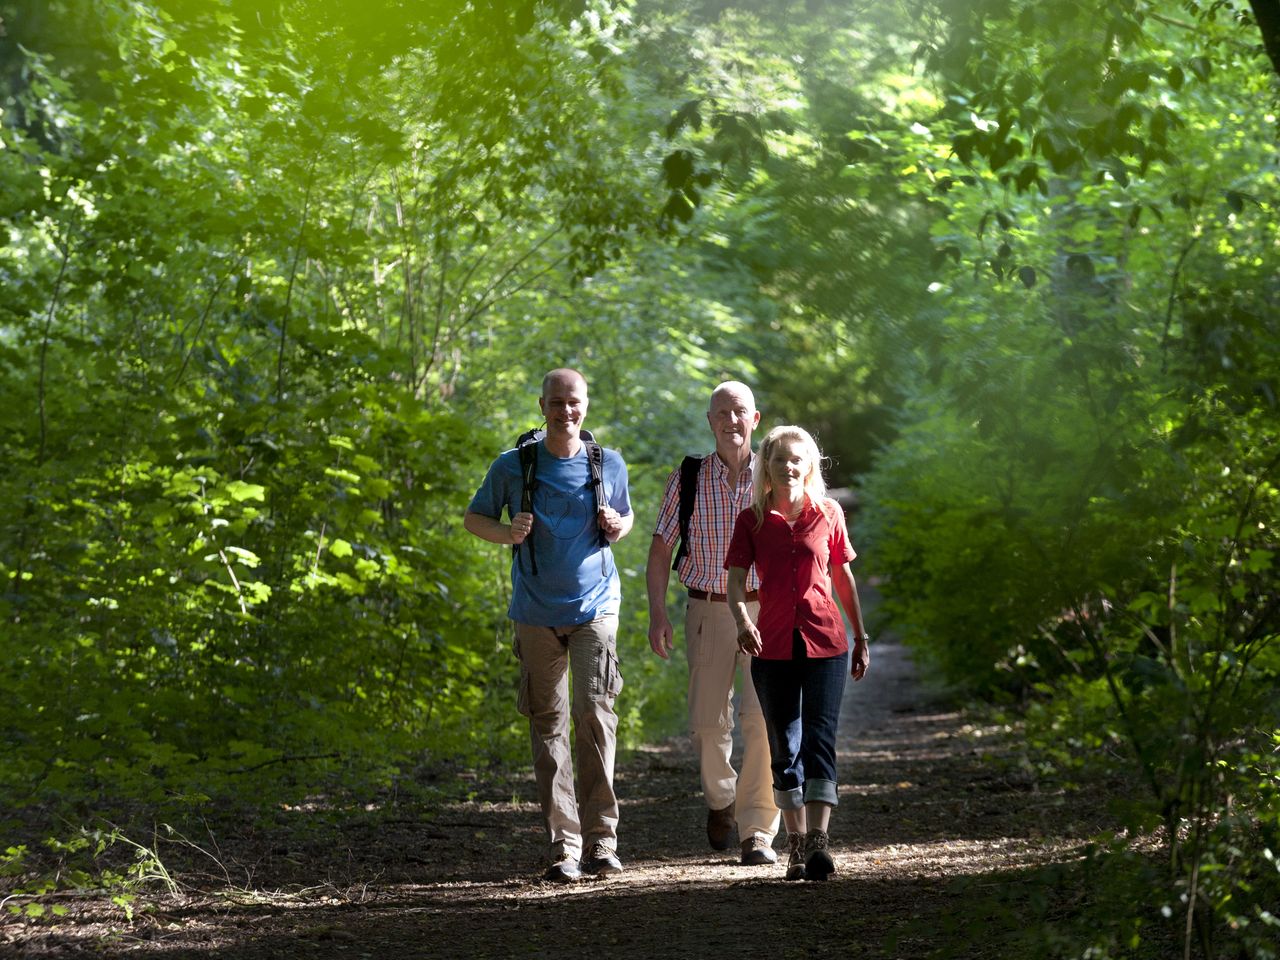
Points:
(818, 864)
(601, 860)
(720, 828)
(564, 869)
(795, 856)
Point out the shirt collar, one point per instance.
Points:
(806, 514)
(720, 470)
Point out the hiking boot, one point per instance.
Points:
(720, 828)
(564, 869)
(795, 856)
(601, 860)
(818, 864)
(756, 852)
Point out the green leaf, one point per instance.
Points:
(338, 473)
(1080, 266)
(247, 557)
(678, 207)
(678, 168)
(239, 490)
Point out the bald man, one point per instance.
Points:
(565, 608)
(734, 801)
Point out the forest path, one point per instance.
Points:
(922, 803)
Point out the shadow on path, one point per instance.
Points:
(922, 803)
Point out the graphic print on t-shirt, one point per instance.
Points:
(566, 513)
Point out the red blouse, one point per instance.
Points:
(794, 564)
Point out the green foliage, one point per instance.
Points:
(282, 278)
(786, 137)
(1042, 90)
(1080, 509)
(98, 859)
(269, 269)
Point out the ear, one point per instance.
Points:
(542, 406)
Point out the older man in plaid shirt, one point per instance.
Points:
(723, 490)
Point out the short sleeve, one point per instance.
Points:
(839, 546)
(667, 526)
(490, 499)
(619, 489)
(742, 545)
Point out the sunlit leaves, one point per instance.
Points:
(271, 246)
(1122, 361)
(239, 490)
(1084, 87)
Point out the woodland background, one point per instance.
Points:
(280, 277)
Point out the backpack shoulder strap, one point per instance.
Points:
(595, 464)
(689, 468)
(527, 450)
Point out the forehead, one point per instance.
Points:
(730, 399)
(566, 388)
(790, 447)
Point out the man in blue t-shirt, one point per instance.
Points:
(566, 622)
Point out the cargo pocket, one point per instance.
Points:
(522, 690)
(613, 674)
(606, 678)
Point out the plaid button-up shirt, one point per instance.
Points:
(711, 525)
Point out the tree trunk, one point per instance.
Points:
(1267, 13)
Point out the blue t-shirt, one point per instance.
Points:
(576, 580)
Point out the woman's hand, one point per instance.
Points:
(749, 641)
(860, 660)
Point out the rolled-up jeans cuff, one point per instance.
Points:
(791, 799)
(820, 791)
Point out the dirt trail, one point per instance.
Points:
(921, 804)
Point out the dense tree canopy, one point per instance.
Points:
(282, 276)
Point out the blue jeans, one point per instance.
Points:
(801, 703)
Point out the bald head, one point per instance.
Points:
(563, 378)
(733, 390)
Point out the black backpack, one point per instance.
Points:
(689, 468)
(527, 449)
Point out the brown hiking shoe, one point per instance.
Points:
(564, 869)
(720, 828)
(795, 856)
(601, 860)
(756, 852)
(818, 864)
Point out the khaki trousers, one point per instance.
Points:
(549, 658)
(711, 643)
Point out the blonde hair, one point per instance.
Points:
(815, 487)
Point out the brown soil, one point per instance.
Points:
(925, 799)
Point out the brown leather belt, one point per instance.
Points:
(720, 597)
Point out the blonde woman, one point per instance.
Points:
(796, 538)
